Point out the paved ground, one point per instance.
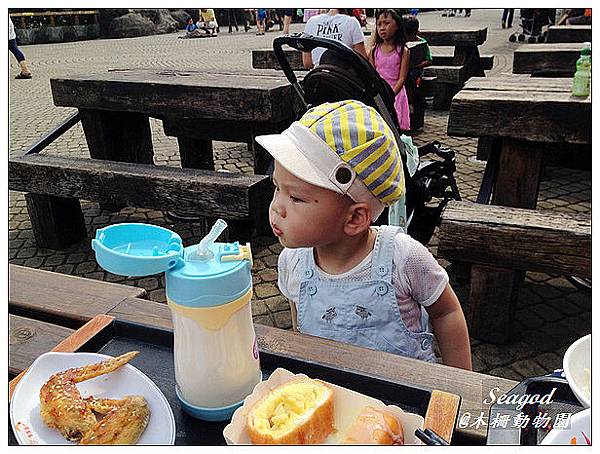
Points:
(551, 313)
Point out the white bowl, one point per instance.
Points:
(577, 365)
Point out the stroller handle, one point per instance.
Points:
(306, 43)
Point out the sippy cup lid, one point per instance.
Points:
(135, 249)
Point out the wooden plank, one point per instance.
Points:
(441, 414)
(546, 57)
(28, 339)
(190, 93)
(542, 117)
(532, 240)
(520, 82)
(447, 59)
(71, 344)
(231, 195)
(142, 311)
(471, 386)
(569, 34)
(59, 295)
(447, 74)
(466, 37)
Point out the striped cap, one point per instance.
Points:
(361, 138)
(346, 147)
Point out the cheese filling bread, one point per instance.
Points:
(374, 426)
(297, 412)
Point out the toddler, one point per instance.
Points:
(335, 171)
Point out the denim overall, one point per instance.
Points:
(363, 313)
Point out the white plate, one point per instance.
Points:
(127, 380)
(581, 423)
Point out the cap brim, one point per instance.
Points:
(286, 153)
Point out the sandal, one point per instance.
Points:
(23, 76)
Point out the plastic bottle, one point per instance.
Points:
(583, 75)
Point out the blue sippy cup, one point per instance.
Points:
(208, 287)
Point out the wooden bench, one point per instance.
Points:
(511, 238)
(569, 34)
(549, 60)
(55, 184)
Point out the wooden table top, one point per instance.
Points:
(199, 94)
(521, 107)
(471, 386)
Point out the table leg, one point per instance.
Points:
(494, 291)
(57, 222)
(196, 153)
(468, 56)
(117, 136)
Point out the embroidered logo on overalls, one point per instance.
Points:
(362, 312)
(329, 314)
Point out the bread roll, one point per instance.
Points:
(297, 412)
(375, 426)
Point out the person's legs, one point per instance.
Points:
(287, 20)
(14, 49)
(511, 12)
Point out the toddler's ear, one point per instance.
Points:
(358, 219)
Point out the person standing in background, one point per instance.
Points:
(507, 17)
(261, 19)
(287, 20)
(12, 46)
(337, 25)
(390, 56)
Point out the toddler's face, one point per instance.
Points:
(304, 215)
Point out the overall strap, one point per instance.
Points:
(383, 254)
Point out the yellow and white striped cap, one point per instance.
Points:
(346, 147)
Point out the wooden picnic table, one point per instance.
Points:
(569, 34)
(521, 115)
(195, 106)
(266, 59)
(34, 329)
(554, 59)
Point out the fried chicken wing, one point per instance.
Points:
(123, 424)
(61, 404)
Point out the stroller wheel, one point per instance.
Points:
(531, 39)
(521, 37)
(512, 38)
(541, 39)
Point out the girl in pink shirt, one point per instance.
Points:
(390, 57)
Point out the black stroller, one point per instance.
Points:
(532, 22)
(344, 74)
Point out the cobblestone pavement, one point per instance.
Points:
(551, 312)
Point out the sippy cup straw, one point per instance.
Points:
(203, 252)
